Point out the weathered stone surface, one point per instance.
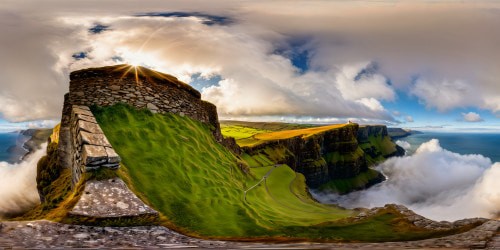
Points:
(85, 118)
(113, 157)
(81, 107)
(94, 155)
(81, 111)
(108, 199)
(88, 147)
(93, 139)
(114, 87)
(46, 234)
(152, 107)
(89, 127)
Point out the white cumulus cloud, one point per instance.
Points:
(358, 57)
(472, 117)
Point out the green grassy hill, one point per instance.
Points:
(200, 188)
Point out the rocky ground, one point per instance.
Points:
(45, 234)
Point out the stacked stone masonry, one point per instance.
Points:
(91, 149)
(155, 91)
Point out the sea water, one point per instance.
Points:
(7, 140)
(486, 144)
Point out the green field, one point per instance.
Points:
(246, 133)
(177, 167)
(251, 136)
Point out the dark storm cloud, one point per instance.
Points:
(207, 19)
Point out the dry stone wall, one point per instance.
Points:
(90, 148)
(141, 88)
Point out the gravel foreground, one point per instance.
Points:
(46, 234)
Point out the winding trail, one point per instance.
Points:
(261, 180)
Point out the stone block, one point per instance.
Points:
(78, 110)
(114, 87)
(93, 139)
(85, 118)
(94, 155)
(113, 157)
(88, 127)
(111, 165)
(152, 107)
(82, 107)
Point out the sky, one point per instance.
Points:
(427, 65)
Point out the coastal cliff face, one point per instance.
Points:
(333, 154)
(377, 144)
(337, 154)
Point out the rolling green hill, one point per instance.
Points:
(200, 188)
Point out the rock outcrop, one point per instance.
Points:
(377, 144)
(109, 198)
(397, 133)
(333, 154)
(337, 154)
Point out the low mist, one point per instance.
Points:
(435, 183)
(18, 191)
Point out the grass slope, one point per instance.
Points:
(244, 132)
(252, 136)
(379, 146)
(175, 164)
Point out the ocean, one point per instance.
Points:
(8, 140)
(485, 144)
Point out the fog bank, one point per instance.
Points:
(435, 183)
(18, 191)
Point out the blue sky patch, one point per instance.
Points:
(199, 82)
(98, 28)
(298, 50)
(80, 55)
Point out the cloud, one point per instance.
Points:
(207, 19)
(33, 66)
(471, 117)
(408, 118)
(251, 76)
(436, 183)
(403, 144)
(446, 95)
(18, 191)
(355, 58)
